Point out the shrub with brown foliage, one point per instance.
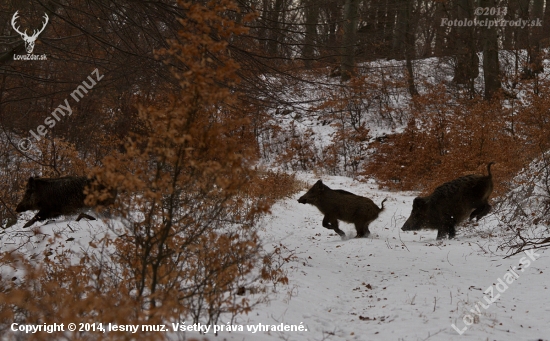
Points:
(446, 138)
(348, 111)
(353, 107)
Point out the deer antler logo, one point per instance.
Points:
(29, 41)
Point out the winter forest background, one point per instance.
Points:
(210, 117)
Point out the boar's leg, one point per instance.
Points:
(452, 232)
(480, 212)
(32, 221)
(332, 224)
(362, 229)
(84, 215)
(340, 232)
(444, 230)
(327, 224)
(40, 216)
(447, 227)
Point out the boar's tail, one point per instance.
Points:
(489, 168)
(382, 204)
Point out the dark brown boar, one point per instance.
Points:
(342, 205)
(451, 203)
(58, 196)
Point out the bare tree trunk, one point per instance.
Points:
(510, 33)
(523, 32)
(400, 29)
(491, 71)
(273, 44)
(467, 61)
(311, 9)
(334, 14)
(440, 48)
(351, 13)
(388, 26)
(263, 29)
(535, 35)
(404, 41)
(410, 76)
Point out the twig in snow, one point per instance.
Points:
(399, 233)
(448, 257)
(433, 334)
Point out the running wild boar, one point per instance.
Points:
(451, 203)
(53, 197)
(342, 205)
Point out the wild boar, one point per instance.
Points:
(451, 203)
(57, 196)
(342, 205)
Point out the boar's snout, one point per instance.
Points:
(302, 200)
(411, 225)
(417, 217)
(25, 205)
(408, 226)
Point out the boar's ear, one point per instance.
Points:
(320, 185)
(35, 183)
(418, 202)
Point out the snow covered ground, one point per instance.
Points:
(393, 285)
(399, 285)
